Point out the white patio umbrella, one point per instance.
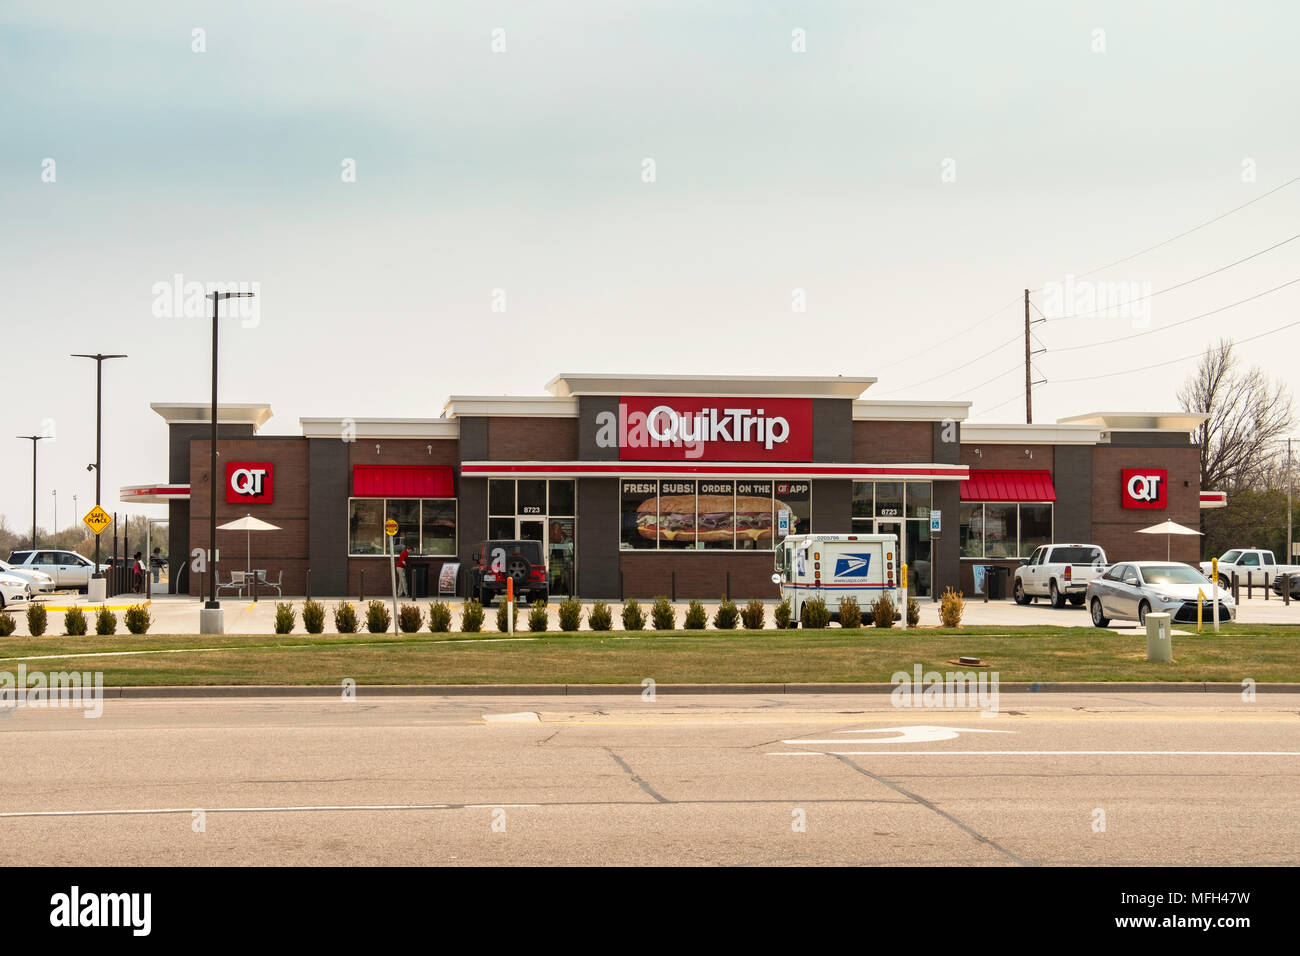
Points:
(1168, 528)
(249, 524)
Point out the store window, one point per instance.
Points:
(889, 499)
(740, 515)
(561, 497)
(1003, 529)
(864, 502)
(1035, 527)
(425, 526)
(531, 496)
(918, 499)
(501, 497)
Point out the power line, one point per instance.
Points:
(1184, 358)
(1152, 295)
(1174, 325)
(1018, 365)
(926, 381)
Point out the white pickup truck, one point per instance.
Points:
(1059, 572)
(1251, 566)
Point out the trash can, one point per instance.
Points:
(995, 582)
(1160, 642)
(419, 579)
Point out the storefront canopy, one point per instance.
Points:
(402, 481)
(991, 485)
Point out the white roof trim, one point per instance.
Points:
(886, 411)
(1139, 421)
(370, 428)
(256, 414)
(979, 433)
(511, 406)
(670, 386)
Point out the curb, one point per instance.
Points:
(580, 690)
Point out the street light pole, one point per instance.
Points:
(55, 493)
(99, 433)
(212, 609)
(33, 439)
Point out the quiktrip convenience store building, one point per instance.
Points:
(639, 485)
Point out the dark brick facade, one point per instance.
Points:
(897, 443)
(697, 574)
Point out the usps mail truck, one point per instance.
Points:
(833, 566)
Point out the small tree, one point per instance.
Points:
(284, 617)
(753, 614)
(600, 618)
(633, 616)
(662, 615)
(105, 621)
(410, 618)
(815, 613)
(138, 619)
(783, 614)
(345, 618)
(439, 617)
(511, 623)
(7, 624)
(850, 612)
(913, 612)
(378, 620)
(884, 612)
(696, 617)
(725, 618)
(36, 619)
(537, 620)
(74, 622)
(951, 607)
(570, 614)
(313, 617)
(471, 618)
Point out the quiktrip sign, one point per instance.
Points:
(250, 482)
(1144, 488)
(660, 428)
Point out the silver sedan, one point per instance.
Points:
(1129, 591)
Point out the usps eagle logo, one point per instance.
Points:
(852, 565)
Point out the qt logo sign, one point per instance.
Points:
(1145, 487)
(249, 482)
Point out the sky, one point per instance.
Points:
(858, 188)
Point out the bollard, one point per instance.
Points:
(674, 579)
(1266, 588)
(1159, 638)
(309, 584)
(363, 585)
(1236, 588)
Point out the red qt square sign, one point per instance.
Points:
(1145, 488)
(250, 482)
(661, 428)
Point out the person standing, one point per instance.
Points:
(156, 564)
(402, 589)
(137, 572)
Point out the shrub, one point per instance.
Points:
(783, 614)
(537, 616)
(600, 618)
(378, 620)
(504, 625)
(471, 619)
(410, 618)
(815, 613)
(284, 617)
(884, 612)
(7, 623)
(345, 618)
(850, 613)
(313, 616)
(137, 619)
(439, 616)
(663, 616)
(36, 619)
(913, 613)
(633, 616)
(696, 618)
(752, 615)
(570, 614)
(726, 616)
(105, 621)
(951, 607)
(74, 622)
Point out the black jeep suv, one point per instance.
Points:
(496, 560)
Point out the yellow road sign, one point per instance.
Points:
(390, 527)
(97, 519)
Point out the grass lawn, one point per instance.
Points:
(1265, 653)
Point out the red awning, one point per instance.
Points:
(402, 481)
(986, 485)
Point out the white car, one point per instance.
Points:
(69, 569)
(14, 590)
(41, 582)
(1130, 591)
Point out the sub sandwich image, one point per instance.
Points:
(672, 518)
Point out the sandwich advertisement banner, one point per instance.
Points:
(658, 428)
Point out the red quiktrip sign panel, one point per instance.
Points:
(659, 428)
(1145, 488)
(250, 482)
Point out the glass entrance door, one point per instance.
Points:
(896, 529)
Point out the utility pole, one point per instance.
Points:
(1029, 385)
(99, 359)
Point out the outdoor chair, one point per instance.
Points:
(236, 583)
(265, 582)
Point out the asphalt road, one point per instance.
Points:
(1165, 778)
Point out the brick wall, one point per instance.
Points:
(533, 439)
(403, 451)
(1009, 457)
(892, 442)
(1114, 525)
(275, 551)
(700, 574)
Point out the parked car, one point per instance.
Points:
(41, 582)
(1130, 591)
(1059, 572)
(69, 569)
(497, 560)
(14, 590)
(1250, 565)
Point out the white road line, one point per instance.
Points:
(267, 647)
(1034, 753)
(320, 809)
